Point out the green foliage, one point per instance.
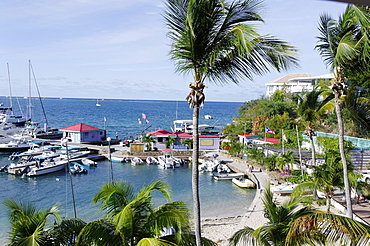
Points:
(236, 149)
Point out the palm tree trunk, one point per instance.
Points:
(195, 177)
(313, 150)
(347, 188)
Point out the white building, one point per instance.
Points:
(295, 83)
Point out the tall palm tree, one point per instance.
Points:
(212, 40)
(284, 219)
(132, 220)
(311, 107)
(343, 43)
(28, 222)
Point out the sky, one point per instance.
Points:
(119, 48)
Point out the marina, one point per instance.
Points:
(218, 198)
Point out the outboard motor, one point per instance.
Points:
(4, 168)
(24, 171)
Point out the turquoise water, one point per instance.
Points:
(218, 198)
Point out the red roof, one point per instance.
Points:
(168, 133)
(249, 135)
(80, 128)
(270, 140)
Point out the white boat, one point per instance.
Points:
(223, 168)
(151, 160)
(18, 167)
(88, 162)
(166, 161)
(228, 176)
(243, 182)
(283, 189)
(117, 158)
(47, 166)
(15, 145)
(209, 165)
(97, 103)
(208, 117)
(136, 161)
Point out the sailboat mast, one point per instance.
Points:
(10, 88)
(29, 90)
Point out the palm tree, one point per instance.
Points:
(170, 142)
(311, 107)
(326, 178)
(343, 43)
(28, 222)
(286, 159)
(67, 231)
(285, 219)
(149, 140)
(211, 40)
(132, 220)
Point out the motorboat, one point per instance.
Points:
(208, 117)
(243, 182)
(283, 189)
(47, 166)
(15, 145)
(88, 162)
(23, 162)
(227, 176)
(77, 168)
(209, 165)
(117, 158)
(166, 161)
(223, 168)
(136, 161)
(151, 160)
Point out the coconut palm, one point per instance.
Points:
(311, 106)
(285, 218)
(212, 40)
(67, 231)
(149, 140)
(28, 222)
(132, 220)
(341, 44)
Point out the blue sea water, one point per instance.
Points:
(218, 198)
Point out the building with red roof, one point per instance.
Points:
(82, 133)
(208, 142)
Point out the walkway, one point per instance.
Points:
(361, 211)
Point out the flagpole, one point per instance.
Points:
(282, 139)
(265, 134)
(299, 151)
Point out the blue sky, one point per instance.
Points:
(119, 48)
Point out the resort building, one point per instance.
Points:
(82, 133)
(295, 83)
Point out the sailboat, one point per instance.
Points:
(97, 103)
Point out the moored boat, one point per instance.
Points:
(151, 160)
(243, 182)
(227, 176)
(283, 189)
(165, 161)
(47, 166)
(88, 162)
(136, 161)
(77, 168)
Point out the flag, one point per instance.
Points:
(105, 119)
(139, 120)
(269, 131)
(143, 116)
(147, 121)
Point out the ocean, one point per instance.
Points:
(218, 198)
